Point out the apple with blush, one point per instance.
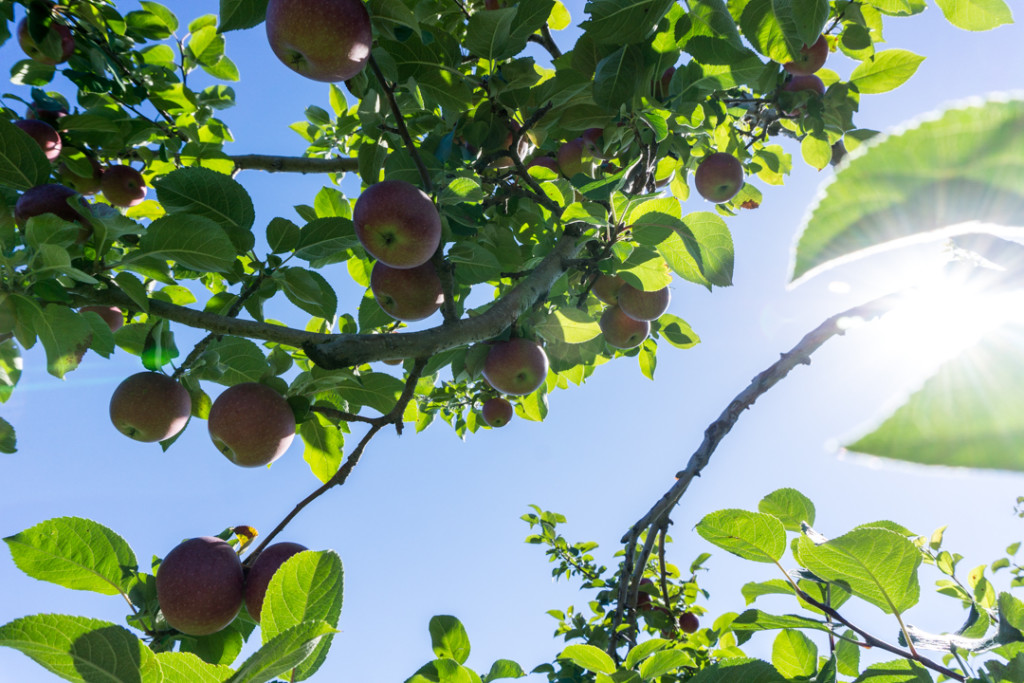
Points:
(407, 294)
(323, 40)
(149, 407)
(497, 411)
(810, 59)
(621, 331)
(251, 424)
(641, 305)
(56, 199)
(606, 288)
(517, 366)
(89, 184)
(200, 586)
(112, 315)
(262, 571)
(397, 224)
(123, 186)
(56, 47)
(719, 177)
(44, 135)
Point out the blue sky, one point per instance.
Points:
(429, 525)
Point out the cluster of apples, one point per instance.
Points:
(201, 584)
(250, 423)
(688, 622)
(802, 69)
(626, 321)
(516, 367)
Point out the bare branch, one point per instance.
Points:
(279, 164)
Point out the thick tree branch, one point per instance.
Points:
(279, 164)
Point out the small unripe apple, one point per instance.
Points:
(200, 586)
(407, 294)
(397, 224)
(497, 411)
(150, 406)
(89, 184)
(123, 186)
(58, 34)
(517, 366)
(641, 305)
(606, 288)
(810, 58)
(324, 40)
(251, 424)
(688, 622)
(621, 331)
(262, 570)
(719, 177)
(45, 136)
(112, 315)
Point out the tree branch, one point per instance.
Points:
(279, 164)
(403, 131)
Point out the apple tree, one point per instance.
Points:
(523, 194)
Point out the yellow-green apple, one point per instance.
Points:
(89, 184)
(112, 315)
(324, 40)
(719, 177)
(44, 134)
(606, 288)
(123, 186)
(55, 48)
(641, 305)
(621, 331)
(517, 366)
(150, 406)
(200, 586)
(262, 570)
(810, 59)
(251, 424)
(497, 411)
(688, 622)
(397, 224)
(407, 294)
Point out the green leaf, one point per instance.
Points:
(222, 647)
(284, 652)
(677, 331)
(326, 240)
(241, 360)
(194, 242)
(976, 15)
(779, 28)
(620, 22)
(282, 235)
(218, 197)
(750, 535)
(377, 390)
(876, 565)
(885, 71)
(739, 670)
(308, 586)
(65, 336)
(488, 34)
(22, 162)
(644, 650)
(965, 165)
(78, 648)
(504, 668)
(448, 638)
(473, 263)
(8, 439)
(324, 444)
(897, 671)
(75, 553)
(794, 654)
(756, 620)
(790, 506)
(664, 662)
(848, 654)
(240, 14)
(308, 290)
(568, 326)
(615, 79)
(184, 667)
(589, 657)
(816, 151)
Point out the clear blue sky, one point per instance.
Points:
(429, 525)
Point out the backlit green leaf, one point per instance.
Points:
(448, 638)
(976, 15)
(750, 535)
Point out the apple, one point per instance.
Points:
(262, 570)
(123, 186)
(606, 288)
(251, 424)
(397, 224)
(719, 177)
(523, 148)
(517, 366)
(643, 599)
(58, 41)
(44, 134)
(200, 586)
(497, 411)
(810, 58)
(112, 315)
(688, 622)
(492, 4)
(809, 82)
(85, 184)
(53, 198)
(544, 162)
(47, 113)
(662, 84)
(150, 406)
(324, 40)
(621, 331)
(570, 158)
(593, 143)
(407, 294)
(641, 305)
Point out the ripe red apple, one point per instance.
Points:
(641, 305)
(57, 47)
(112, 315)
(44, 134)
(397, 224)
(517, 366)
(53, 198)
(497, 411)
(200, 586)
(688, 622)
(47, 113)
(150, 406)
(123, 186)
(251, 424)
(643, 599)
(621, 331)
(593, 143)
(606, 288)
(570, 158)
(719, 177)
(85, 184)
(810, 82)
(407, 294)
(810, 58)
(324, 40)
(262, 570)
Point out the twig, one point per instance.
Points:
(403, 131)
(280, 164)
(444, 268)
(546, 41)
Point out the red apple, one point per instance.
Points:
(112, 315)
(45, 136)
(593, 143)
(47, 113)
(688, 622)
(719, 177)
(810, 82)
(324, 40)
(621, 331)
(251, 424)
(200, 586)
(407, 294)
(517, 366)
(641, 305)
(497, 411)
(53, 198)
(150, 406)
(397, 224)
(662, 84)
(56, 48)
(606, 288)
(810, 58)
(123, 186)
(85, 184)
(262, 570)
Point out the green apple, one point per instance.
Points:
(150, 406)
(719, 177)
(407, 294)
(641, 305)
(251, 424)
(397, 224)
(55, 48)
(810, 58)
(200, 586)
(324, 40)
(262, 570)
(621, 331)
(44, 135)
(517, 366)
(123, 186)
(497, 411)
